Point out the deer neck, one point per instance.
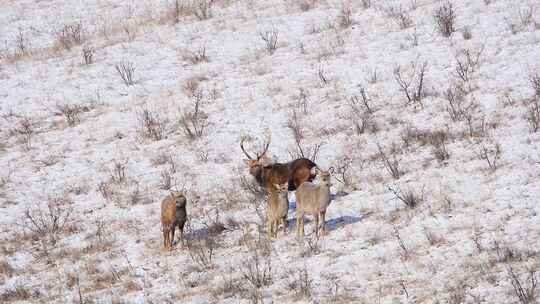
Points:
(257, 173)
(324, 191)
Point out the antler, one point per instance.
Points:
(242, 147)
(259, 156)
(266, 145)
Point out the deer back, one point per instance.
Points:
(300, 171)
(312, 198)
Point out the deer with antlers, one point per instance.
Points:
(293, 173)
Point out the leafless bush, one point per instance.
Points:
(71, 112)
(118, 172)
(18, 293)
(106, 190)
(445, 17)
(306, 5)
(49, 223)
(21, 44)
(323, 78)
(126, 70)
(100, 237)
(70, 35)
(366, 4)
(195, 121)
(535, 83)
(522, 19)
(475, 122)
(413, 84)
(456, 105)
(526, 291)
(391, 163)
(361, 113)
(432, 238)
(212, 222)
(438, 140)
(467, 62)
(301, 283)
(303, 100)
(25, 128)
(409, 198)
(467, 33)
(6, 270)
(88, 54)
(165, 180)
(250, 186)
(344, 17)
(201, 248)
(400, 16)
(257, 268)
(301, 150)
(311, 247)
(202, 9)
(270, 38)
(533, 114)
(343, 168)
(151, 125)
(404, 250)
(491, 154)
(197, 56)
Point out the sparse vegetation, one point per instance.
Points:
(151, 125)
(400, 16)
(71, 112)
(194, 121)
(491, 154)
(25, 128)
(390, 161)
(70, 35)
(445, 18)
(412, 85)
(409, 198)
(88, 54)
(270, 39)
(526, 291)
(126, 70)
(344, 17)
(50, 222)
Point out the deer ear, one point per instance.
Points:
(277, 186)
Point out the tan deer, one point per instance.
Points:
(313, 199)
(277, 209)
(173, 214)
(293, 173)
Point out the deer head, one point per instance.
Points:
(255, 162)
(325, 177)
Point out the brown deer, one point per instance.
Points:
(293, 173)
(173, 214)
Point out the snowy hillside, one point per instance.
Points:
(428, 110)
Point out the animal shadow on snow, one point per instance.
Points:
(331, 223)
(200, 233)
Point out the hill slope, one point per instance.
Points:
(430, 114)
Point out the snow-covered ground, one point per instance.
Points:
(80, 191)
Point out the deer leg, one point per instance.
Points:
(317, 225)
(301, 225)
(165, 237)
(323, 219)
(181, 231)
(285, 224)
(173, 229)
